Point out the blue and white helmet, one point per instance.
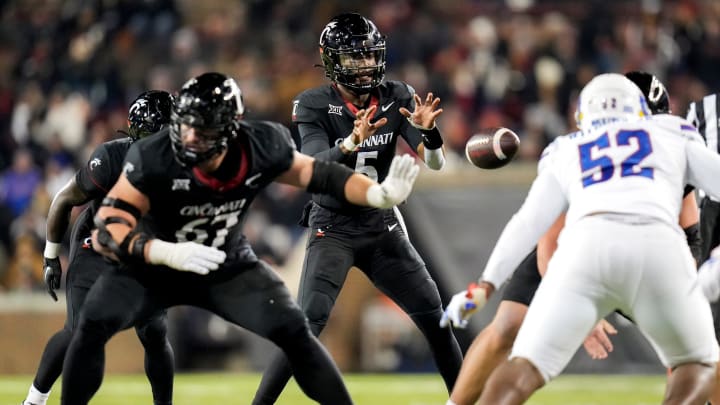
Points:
(609, 98)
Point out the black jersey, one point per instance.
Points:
(324, 119)
(97, 177)
(186, 205)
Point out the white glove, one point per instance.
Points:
(397, 185)
(185, 256)
(709, 276)
(463, 305)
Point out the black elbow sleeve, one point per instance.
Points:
(329, 178)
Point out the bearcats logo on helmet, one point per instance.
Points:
(149, 113)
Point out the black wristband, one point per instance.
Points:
(694, 240)
(138, 248)
(431, 138)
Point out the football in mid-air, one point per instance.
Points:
(492, 148)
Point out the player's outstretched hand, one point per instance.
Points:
(397, 185)
(463, 305)
(52, 272)
(597, 344)
(425, 112)
(185, 256)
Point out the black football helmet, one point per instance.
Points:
(212, 104)
(653, 89)
(347, 41)
(149, 113)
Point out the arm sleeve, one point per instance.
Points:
(315, 142)
(703, 168)
(544, 203)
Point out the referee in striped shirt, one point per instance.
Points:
(704, 115)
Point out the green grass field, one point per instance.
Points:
(366, 389)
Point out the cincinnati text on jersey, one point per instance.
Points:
(208, 209)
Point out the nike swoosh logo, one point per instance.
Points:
(385, 107)
(391, 227)
(250, 181)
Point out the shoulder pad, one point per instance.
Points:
(313, 103)
(317, 97)
(398, 89)
(551, 150)
(674, 122)
(267, 132)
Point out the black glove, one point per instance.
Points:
(52, 274)
(694, 240)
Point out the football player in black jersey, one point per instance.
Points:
(357, 120)
(148, 114)
(192, 185)
(493, 344)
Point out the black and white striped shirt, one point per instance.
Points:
(705, 116)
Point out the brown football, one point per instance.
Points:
(492, 148)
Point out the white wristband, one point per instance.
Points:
(349, 145)
(420, 127)
(52, 249)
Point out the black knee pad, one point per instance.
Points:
(423, 298)
(317, 307)
(153, 331)
(97, 330)
(288, 328)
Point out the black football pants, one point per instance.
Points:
(251, 296)
(393, 265)
(83, 270)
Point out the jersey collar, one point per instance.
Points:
(374, 101)
(219, 185)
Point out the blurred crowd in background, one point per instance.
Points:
(69, 68)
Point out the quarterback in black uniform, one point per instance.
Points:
(148, 114)
(493, 344)
(192, 185)
(357, 120)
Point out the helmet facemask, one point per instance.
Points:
(212, 141)
(360, 70)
